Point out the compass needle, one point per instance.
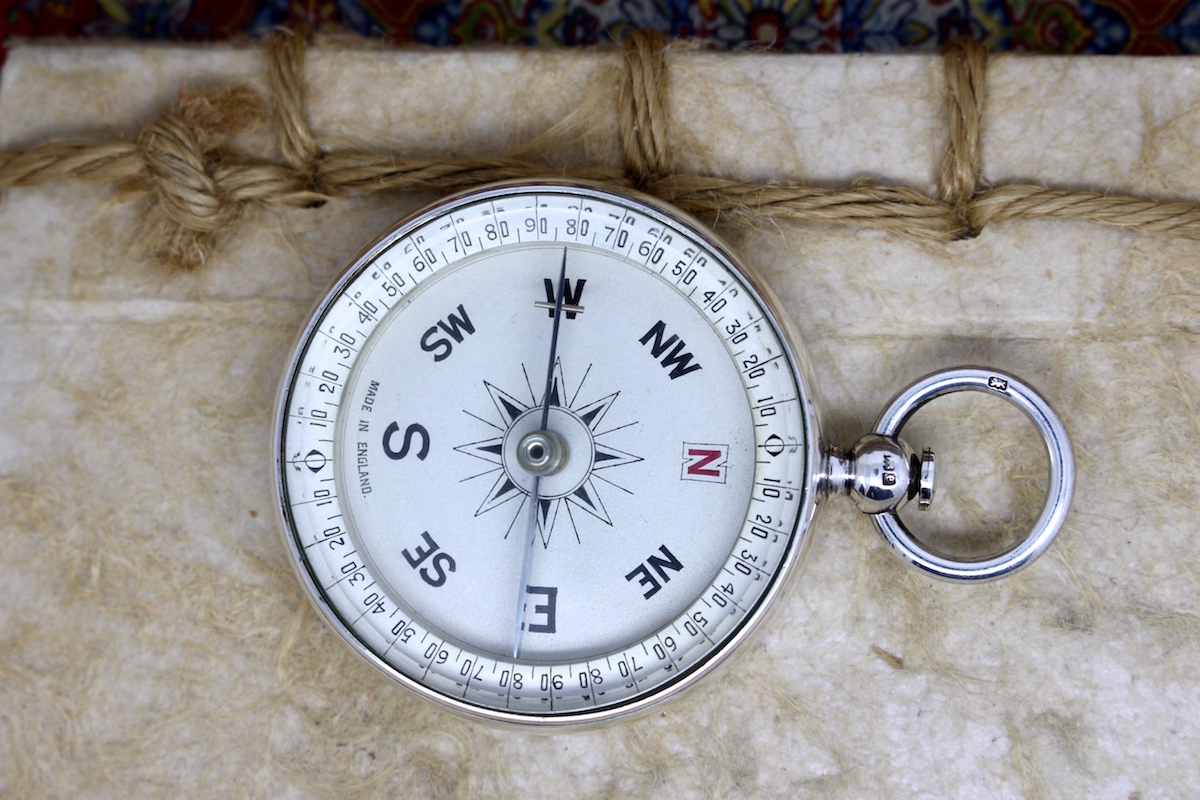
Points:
(534, 506)
(648, 506)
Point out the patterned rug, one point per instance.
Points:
(1151, 27)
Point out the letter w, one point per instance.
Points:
(453, 324)
(572, 294)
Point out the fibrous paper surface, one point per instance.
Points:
(154, 640)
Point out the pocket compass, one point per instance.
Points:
(547, 453)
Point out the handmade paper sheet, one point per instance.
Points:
(154, 640)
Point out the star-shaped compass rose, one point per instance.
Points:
(577, 485)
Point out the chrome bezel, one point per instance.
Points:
(800, 540)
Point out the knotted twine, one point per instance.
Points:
(199, 190)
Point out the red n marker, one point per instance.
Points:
(705, 462)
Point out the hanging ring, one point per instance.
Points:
(1062, 474)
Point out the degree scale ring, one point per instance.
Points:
(1062, 474)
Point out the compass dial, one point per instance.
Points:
(545, 453)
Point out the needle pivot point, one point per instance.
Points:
(542, 453)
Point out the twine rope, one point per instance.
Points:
(959, 178)
(643, 106)
(198, 190)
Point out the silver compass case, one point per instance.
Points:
(548, 453)
(688, 385)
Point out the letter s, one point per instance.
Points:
(437, 562)
(409, 433)
(437, 344)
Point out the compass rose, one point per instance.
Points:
(578, 485)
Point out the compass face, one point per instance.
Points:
(544, 453)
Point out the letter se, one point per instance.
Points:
(441, 563)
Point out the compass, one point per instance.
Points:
(547, 453)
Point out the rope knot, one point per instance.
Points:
(182, 159)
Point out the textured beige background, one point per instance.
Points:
(154, 641)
